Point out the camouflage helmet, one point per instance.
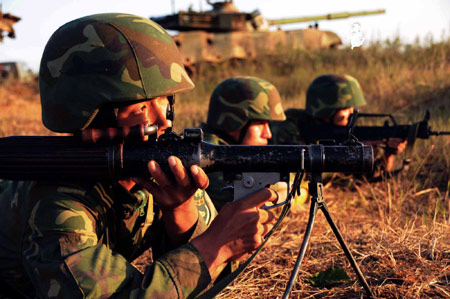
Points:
(328, 93)
(106, 59)
(237, 100)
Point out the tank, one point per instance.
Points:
(15, 71)
(6, 24)
(225, 33)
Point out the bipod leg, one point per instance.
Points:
(306, 238)
(348, 254)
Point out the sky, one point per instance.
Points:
(407, 19)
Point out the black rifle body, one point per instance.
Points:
(66, 157)
(312, 133)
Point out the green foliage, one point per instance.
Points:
(328, 277)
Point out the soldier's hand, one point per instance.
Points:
(169, 193)
(397, 145)
(239, 229)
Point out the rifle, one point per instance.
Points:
(107, 154)
(124, 152)
(313, 132)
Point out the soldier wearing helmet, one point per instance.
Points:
(77, 238)
(237, 106)
(239, 111)
(330, 99)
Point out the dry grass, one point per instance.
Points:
(20, 110)
(398, 230)
(401, 256)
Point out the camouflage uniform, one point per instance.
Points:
(325, 95)
(233, 104)
(76, 239)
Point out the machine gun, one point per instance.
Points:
(125, 152)
(313, 133)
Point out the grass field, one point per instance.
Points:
(398, 229)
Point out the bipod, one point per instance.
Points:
(317, 201)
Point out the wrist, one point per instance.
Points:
(213, 257)
(182, 217)
(179, 208)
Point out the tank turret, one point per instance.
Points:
(6, 24)
(224, 17)
(224, 33)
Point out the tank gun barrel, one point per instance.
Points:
(333, 16)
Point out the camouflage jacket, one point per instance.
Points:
(77, 240)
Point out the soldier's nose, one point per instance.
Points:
(267, 133)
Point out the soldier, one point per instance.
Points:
(239, 111)
(75, 239)
(330, 99)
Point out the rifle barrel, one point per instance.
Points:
(63, 157)
(437, 133)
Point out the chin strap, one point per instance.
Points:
(170, 113)
(243, 132)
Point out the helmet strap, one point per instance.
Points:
(243, 132)
(105, 118)
(329, 119)
(170, 114)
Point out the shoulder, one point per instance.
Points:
(64, 208)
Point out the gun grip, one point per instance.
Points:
(247, 183)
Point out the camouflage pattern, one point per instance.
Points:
(328, 93)
(77, 240)
(237, 100)
(106, 58)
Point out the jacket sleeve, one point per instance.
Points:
(64, 258)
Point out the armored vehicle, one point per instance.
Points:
(6, 24)
(224, 33)
(15, 71)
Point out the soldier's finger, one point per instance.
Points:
(265, 231)
(158, 174)
(266, 216)
(179, 171)
(200, 178)
(258, 198)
